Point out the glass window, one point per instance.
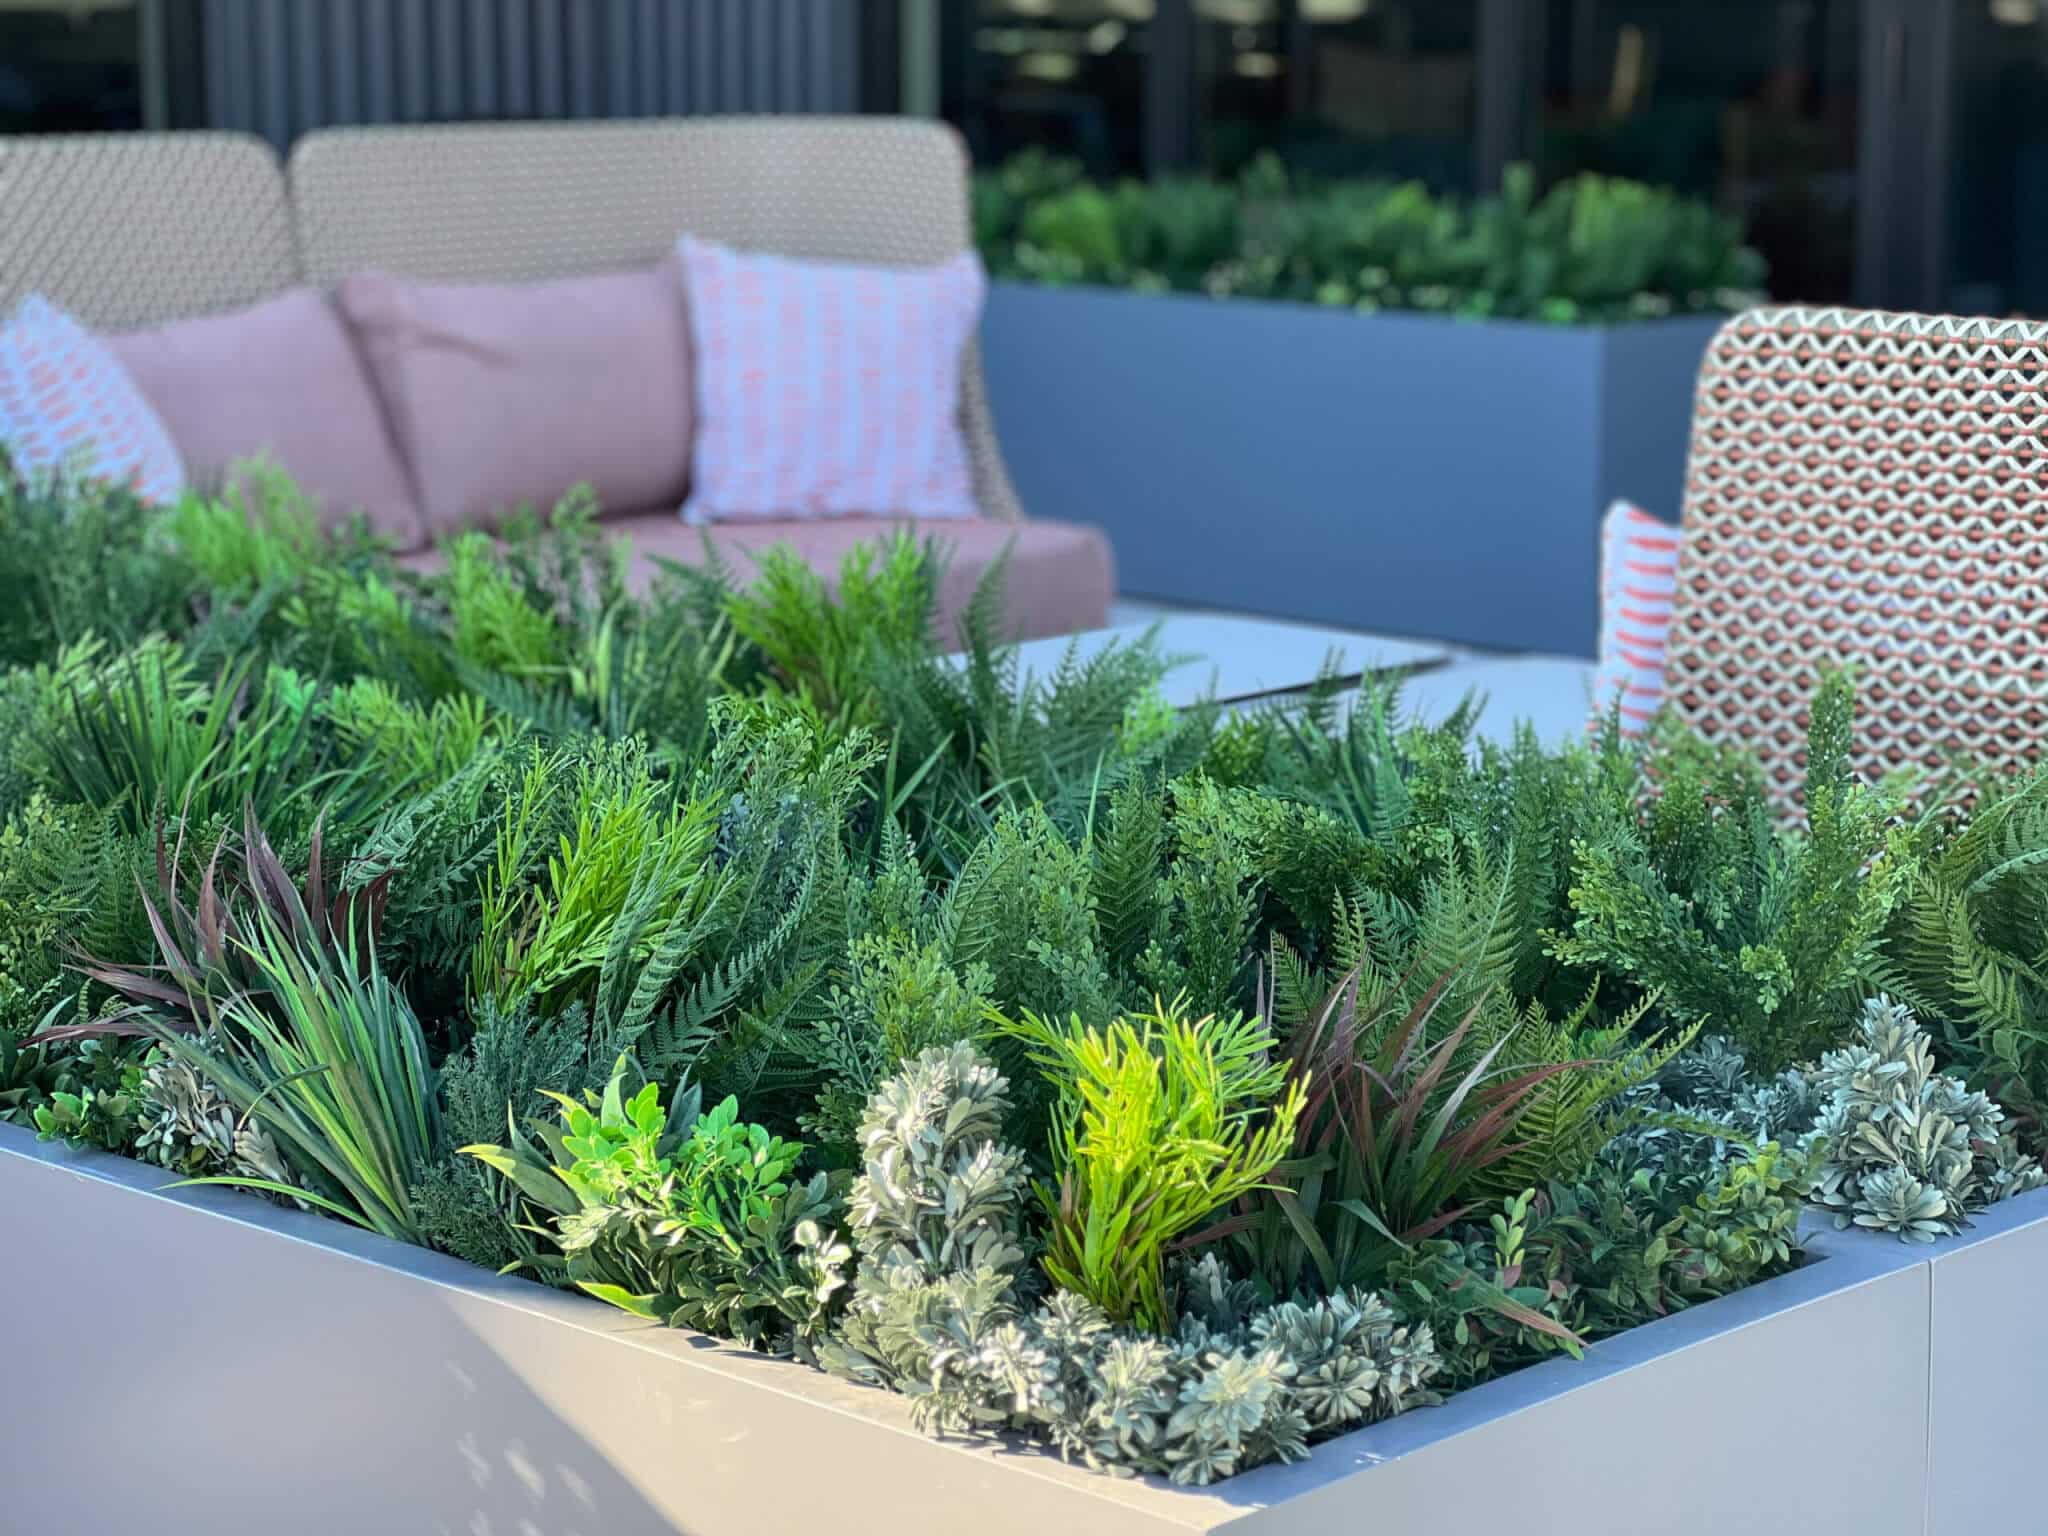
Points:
(69, 66)
(1998, 188)
(1751, 103)
(1340, 87)
(1066, 76)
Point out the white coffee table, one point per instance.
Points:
(1232, 659)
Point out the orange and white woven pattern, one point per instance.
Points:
(1638, 572)
(1870, 489)
(67, 406)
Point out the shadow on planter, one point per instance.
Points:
(203, 1360)
(1399, 473)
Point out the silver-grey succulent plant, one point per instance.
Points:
(1908, 1149)
(941, 1312)
(190, 1127)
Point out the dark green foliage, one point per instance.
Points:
(1772, 935)
(1591, 250)
(509, 1065)
(91, 1095)
(1969, 945)
(1580, 1260)
(76, 561)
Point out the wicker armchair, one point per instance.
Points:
(1869, 489)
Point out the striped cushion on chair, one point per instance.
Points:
(1638, 574)
(67, 405)
(828, 390)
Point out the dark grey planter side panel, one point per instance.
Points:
(1402, 474)
(204, 1362)
(1651, 380)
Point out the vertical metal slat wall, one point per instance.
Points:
(280, 68)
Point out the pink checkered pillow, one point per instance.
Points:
(1638, 575)
(826, 390)
(66, 405)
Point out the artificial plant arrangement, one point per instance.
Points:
(1590, 250)
(1175, 1088)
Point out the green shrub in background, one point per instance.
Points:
(1591, 250)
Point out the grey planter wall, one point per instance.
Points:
(1989, 1355)
(200, 1360)
(1404, 474)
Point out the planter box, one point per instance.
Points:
(1403, 474)
(1988, 1338)
(201, 1360)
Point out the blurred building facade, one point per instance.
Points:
(1888, 152)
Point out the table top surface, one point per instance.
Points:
(1227, 658)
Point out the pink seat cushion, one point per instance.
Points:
(1061, 578)
(827, 390)
(280, 381)
(505, 395)
(67, 404)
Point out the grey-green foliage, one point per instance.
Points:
(1909, 1149)
(938, 1312)
(1706, 1110)
(189, 1126)
(509, 1064)
(901, 997)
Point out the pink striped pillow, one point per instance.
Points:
(826, 390)
(67, 405)
(1638, 575)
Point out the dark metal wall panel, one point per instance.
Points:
(280, 68)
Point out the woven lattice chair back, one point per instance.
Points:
(507, 202)
(1870, 489)
(128, 230)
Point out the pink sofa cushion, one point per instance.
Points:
(1060, 579)
(512, 394)
(827, 390)
(68, 406)
(280, 380)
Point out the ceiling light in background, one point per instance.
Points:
(1237, 13)
(2016, 13)
(1054, 67)
(1132, 10)
(1104, 36)
(1332, 11)
(1257, 66)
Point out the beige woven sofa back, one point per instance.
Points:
(129, 230)
(135, 229)
(506, 202)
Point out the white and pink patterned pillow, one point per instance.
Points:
(1638, 576)
(68, 407)
(826, 390)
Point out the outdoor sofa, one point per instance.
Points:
(129, 232)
